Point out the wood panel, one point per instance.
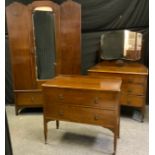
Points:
(70, 38)
(19, 31)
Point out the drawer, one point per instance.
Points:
(135, 89)
(131, 100)
(126, 78)
(29, 98)
(136, 79)
(82, 97)
(80, 114)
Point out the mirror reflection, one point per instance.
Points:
(44, 38)
(122, 44)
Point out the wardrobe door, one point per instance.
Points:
(19, 31)
(45, 51)
(46, 39)
(71, 37)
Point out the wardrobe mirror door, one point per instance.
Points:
(44, 39)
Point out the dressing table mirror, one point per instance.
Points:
(121, 44)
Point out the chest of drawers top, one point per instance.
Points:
(132, 68)
(84, 83)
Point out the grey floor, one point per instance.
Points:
(27, 138)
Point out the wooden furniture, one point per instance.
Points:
(71, 37)
(28, 46)
(83, 99)
(134, 81)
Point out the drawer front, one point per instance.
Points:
(80, 114)
(126, 78)
(83, 98)
(28, 99)
(135, 89)
(131, 100)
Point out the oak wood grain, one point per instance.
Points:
(70, 37)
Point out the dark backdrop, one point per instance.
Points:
(99, 16)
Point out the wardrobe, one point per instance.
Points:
(44, 41)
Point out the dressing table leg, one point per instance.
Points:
(16, 110)
(142, 113)
(115, 141)
(118, 129)
(45, 131)
(57, 124)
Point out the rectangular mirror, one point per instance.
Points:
(45, 47)
(122, 44)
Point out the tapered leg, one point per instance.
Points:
(115, 141)
(16, 110)
(57, 124)
(142, 112)
(118, 129)
(45, 130)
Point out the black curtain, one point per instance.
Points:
(104, 15)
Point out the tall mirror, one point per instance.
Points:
(121, 44)
(43, 20)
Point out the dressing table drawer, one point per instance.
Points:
(132, 100)
(81, 114)
(126, 78)
(133, 79)
(135, 89)
(90, 99)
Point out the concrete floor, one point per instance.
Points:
(27, 137)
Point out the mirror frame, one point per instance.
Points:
(56, 11)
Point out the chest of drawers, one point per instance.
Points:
(134, 81)
(83, 99)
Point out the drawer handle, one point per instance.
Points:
(96, 100)
(61, 113)
(32, 99)
(61, 97)
(96, 117)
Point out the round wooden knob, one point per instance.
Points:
(61, 97)
(61, 113)
(96, 117)
(32, 99)
(96, 100)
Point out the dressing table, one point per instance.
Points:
(83, 99)
(134, 81)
